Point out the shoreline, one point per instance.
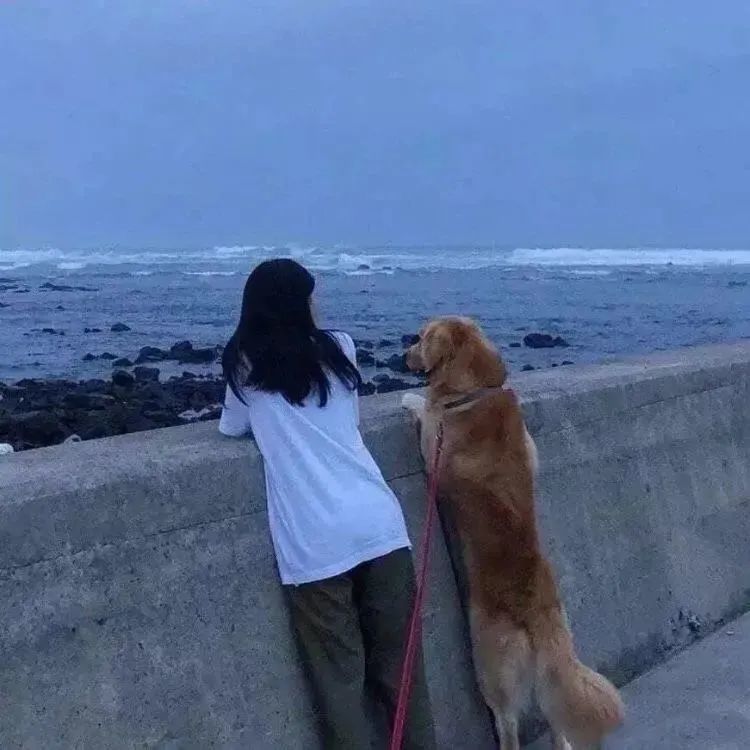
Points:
(140, 395)
(41, 413)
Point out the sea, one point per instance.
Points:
(606, 303)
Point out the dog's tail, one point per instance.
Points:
(576, 700)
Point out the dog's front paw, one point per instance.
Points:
(413, 403)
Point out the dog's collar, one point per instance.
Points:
(469, 399)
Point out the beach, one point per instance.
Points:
(71, 319)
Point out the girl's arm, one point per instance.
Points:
(235, 416)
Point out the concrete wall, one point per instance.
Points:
(139, 605)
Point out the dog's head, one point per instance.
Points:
(455, 353)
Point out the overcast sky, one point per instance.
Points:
(531, 122)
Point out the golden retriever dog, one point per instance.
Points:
(520, 635)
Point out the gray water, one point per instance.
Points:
(605, 303)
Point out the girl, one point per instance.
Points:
(337, 529)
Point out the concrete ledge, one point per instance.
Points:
(141, 603)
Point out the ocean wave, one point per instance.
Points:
(589, 272)
(574, 256)
(71, 265)
(210, 273)
(350, 260)
(234, 251)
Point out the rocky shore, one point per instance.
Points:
(38, 413)
(138, 396)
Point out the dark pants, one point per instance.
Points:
(351, 631)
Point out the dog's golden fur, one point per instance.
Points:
(520, 635)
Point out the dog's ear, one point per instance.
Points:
(477, 355)
(460, 333)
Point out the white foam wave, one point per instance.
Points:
(71, 265)
(227, 260)
(210, 273)
(234, 251)
(573, 256)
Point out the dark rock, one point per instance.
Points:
(93, 330)
(96, 408)
(566, 362)
(89, 357)
(108, 356)
(528, 368)
(29, 383)
(32, 429)
(119, 328)
(3, 304)
(89, 401)
(151, 354)
(21, 291)
(53, 331)
(198, 401)
(95, 385)
(7, 389)
(122, 362)
(515, 345)
(397, 363)
(363, 344)
(543, 341)
(363, 267)
(409, 339)
(59, 307)
(50, 287)
(366, 389)
(731, 284)
(197, 357)
(365, 358)
(122, 379)
(188, 375)
(392, 384)
(146, 374)
(180, 349)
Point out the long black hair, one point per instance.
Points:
(277, 347)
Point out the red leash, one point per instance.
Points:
(415, 624)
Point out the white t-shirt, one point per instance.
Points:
(329, 507)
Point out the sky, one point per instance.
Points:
(516, 122)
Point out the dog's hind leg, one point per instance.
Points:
(507, 731)
(559, 742)
(504, 665)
